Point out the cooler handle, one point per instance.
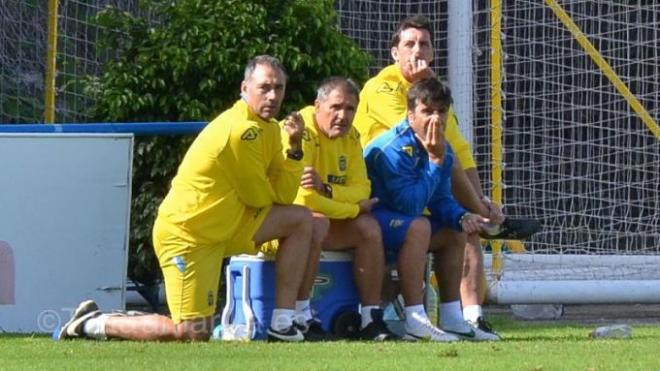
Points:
(247, 307)
(228, 310)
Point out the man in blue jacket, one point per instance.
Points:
(410, 169)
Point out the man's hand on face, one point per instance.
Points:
(419, 69)
(434, 140)
(294, 127)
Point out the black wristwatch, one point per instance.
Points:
(327, 188)
(295, 155)
(463, 217)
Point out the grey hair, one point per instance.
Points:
(263, 60)
(337, 82)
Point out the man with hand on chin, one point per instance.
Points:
(410, 168)
(232, 192)
(383, 105)
(335, 187)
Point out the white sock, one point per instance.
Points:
(365, 312)
(303, 312)
(94, 328)
(414, 313)
(451, 315)
(472, 313)
(282, 319)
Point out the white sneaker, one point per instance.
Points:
(422, 329)
(469, 332)
(485, 327)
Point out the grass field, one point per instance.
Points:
(526, 346)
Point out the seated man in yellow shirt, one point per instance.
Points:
(233, 191)
(383, 105)
(335, 187)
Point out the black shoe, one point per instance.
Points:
(377, 330)
(514, 229)
(291, 334)
(313, 331)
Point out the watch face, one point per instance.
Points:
(295, 155)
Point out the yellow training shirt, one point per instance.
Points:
(383, 104)
(236, 163)
(338, 162)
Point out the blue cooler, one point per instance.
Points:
(250, 282)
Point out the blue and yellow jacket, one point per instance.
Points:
(404, 179)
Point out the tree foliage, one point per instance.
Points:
(187, 66)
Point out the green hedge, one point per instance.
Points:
(188, 64)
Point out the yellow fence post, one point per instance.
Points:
(51, 63)
(496, 119)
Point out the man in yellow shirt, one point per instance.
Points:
(335, 187)
(383, 105)
(232, 192)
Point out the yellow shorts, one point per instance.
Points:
(192, 272)
(269, 248)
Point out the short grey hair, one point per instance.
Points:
(337, 82)
(263, 60)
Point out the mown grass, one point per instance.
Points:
(525, 347)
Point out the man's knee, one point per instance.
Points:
(448, 239)
(420, 228)
(283, 222)
(320, 228)
(297, 218)
(368, 229)
(193, 330)
(418, 235)
(474, 239)
(299, 214)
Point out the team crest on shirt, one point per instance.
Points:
(250, 134)
(408, 150)
(306, 136)
(343, 163)
(385, 88)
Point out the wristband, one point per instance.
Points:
(462, 219)
(327, 188)
(295, 155)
